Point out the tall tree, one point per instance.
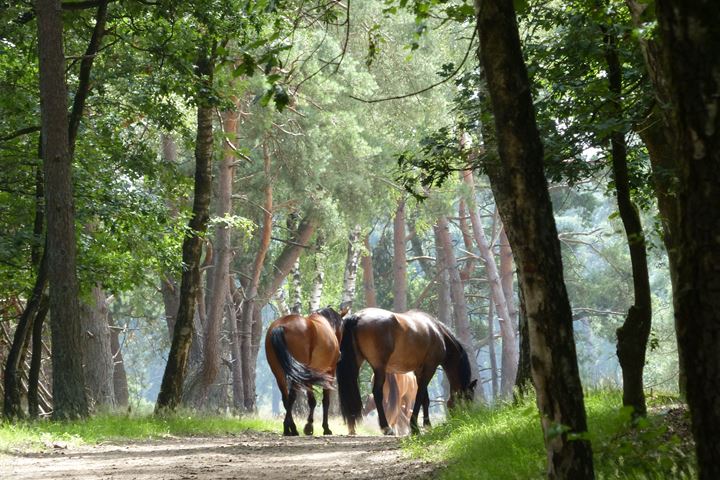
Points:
(68, 382)
(690, 42)
(368, 274)
(171, 388)
(351, 266)
(399, 259)
(633, 335)
(96, 342)
(521, 192)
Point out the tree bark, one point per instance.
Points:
(469, 267)
(34, 398)
(459, 304)
(491, 350)
(97, 352)
(399, 259)
(632, 336)
(444, 313)
(690, 41)
(170, 394)
(521, 193)
(368, 275)
(657, 135)
(319, 280)
(523, 381)
(351, 266)
(120, 384)
(68, 382)
(509, 358)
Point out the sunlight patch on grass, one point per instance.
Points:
(113, 427)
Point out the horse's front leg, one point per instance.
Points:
(326, 411)
(289, 428)
(378, 395)
(308, 430)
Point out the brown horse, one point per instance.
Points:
(399, 393)
(397, 343)
(302, 352)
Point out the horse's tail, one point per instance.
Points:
(393, 400)
(347, 373)
(296, 373)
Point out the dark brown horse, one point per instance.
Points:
(399, 393)
(396, 343)
(302, 352)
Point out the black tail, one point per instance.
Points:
(296, 373)
(347, 373)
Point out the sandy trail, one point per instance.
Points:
(246, 456)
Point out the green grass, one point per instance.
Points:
(506, 443)
(113, 427)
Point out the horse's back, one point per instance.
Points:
(403, 342)
(310, 340)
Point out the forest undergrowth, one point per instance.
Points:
(505, 443)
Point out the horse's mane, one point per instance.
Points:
(331, 316)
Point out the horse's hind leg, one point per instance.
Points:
(289, 428)
(308, 430)
(426, 409)
(326, 410)
(421, 399)
(378, 394)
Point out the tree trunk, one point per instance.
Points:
(509, 358)
(368, 275)
(120, 384)
(218, 276)
(12, 380)
(523, 381)
(521, 193)
(236, 357)
(469, 267)
(657, 135)
(319, 280)
(296, 305)
(173, 378)
(491, 350)
(457, 294)
(34, 398)
(633, 335)
(399, 259)
(68, 382)
(168, 284)
(444, 313)
(690, 42)
(97, 352)
(351, 266)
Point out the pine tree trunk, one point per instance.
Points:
(236, 356)
(469, 267)
(523, 381)
(170, 394)
(509, 358)
(399, 259)
(633, 335)
(459, 304)
(97, 352)
(68, 382)
(521, 193)
(351, 266)
(368, 275)
(690, 42)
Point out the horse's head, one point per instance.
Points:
(465, 395)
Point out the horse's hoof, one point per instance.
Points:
(388, 431)
(308, 430)
(414, 430)
(327, 432)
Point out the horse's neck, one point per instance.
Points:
(451, 363)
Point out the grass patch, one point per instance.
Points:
(505, 443)
(114, 427)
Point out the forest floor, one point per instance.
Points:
(264, 456)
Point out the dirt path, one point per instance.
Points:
(248, 456)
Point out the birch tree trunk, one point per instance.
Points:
(368, 275)
(399, 259)
(319, 280)
(351, 266)
(521, 193)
